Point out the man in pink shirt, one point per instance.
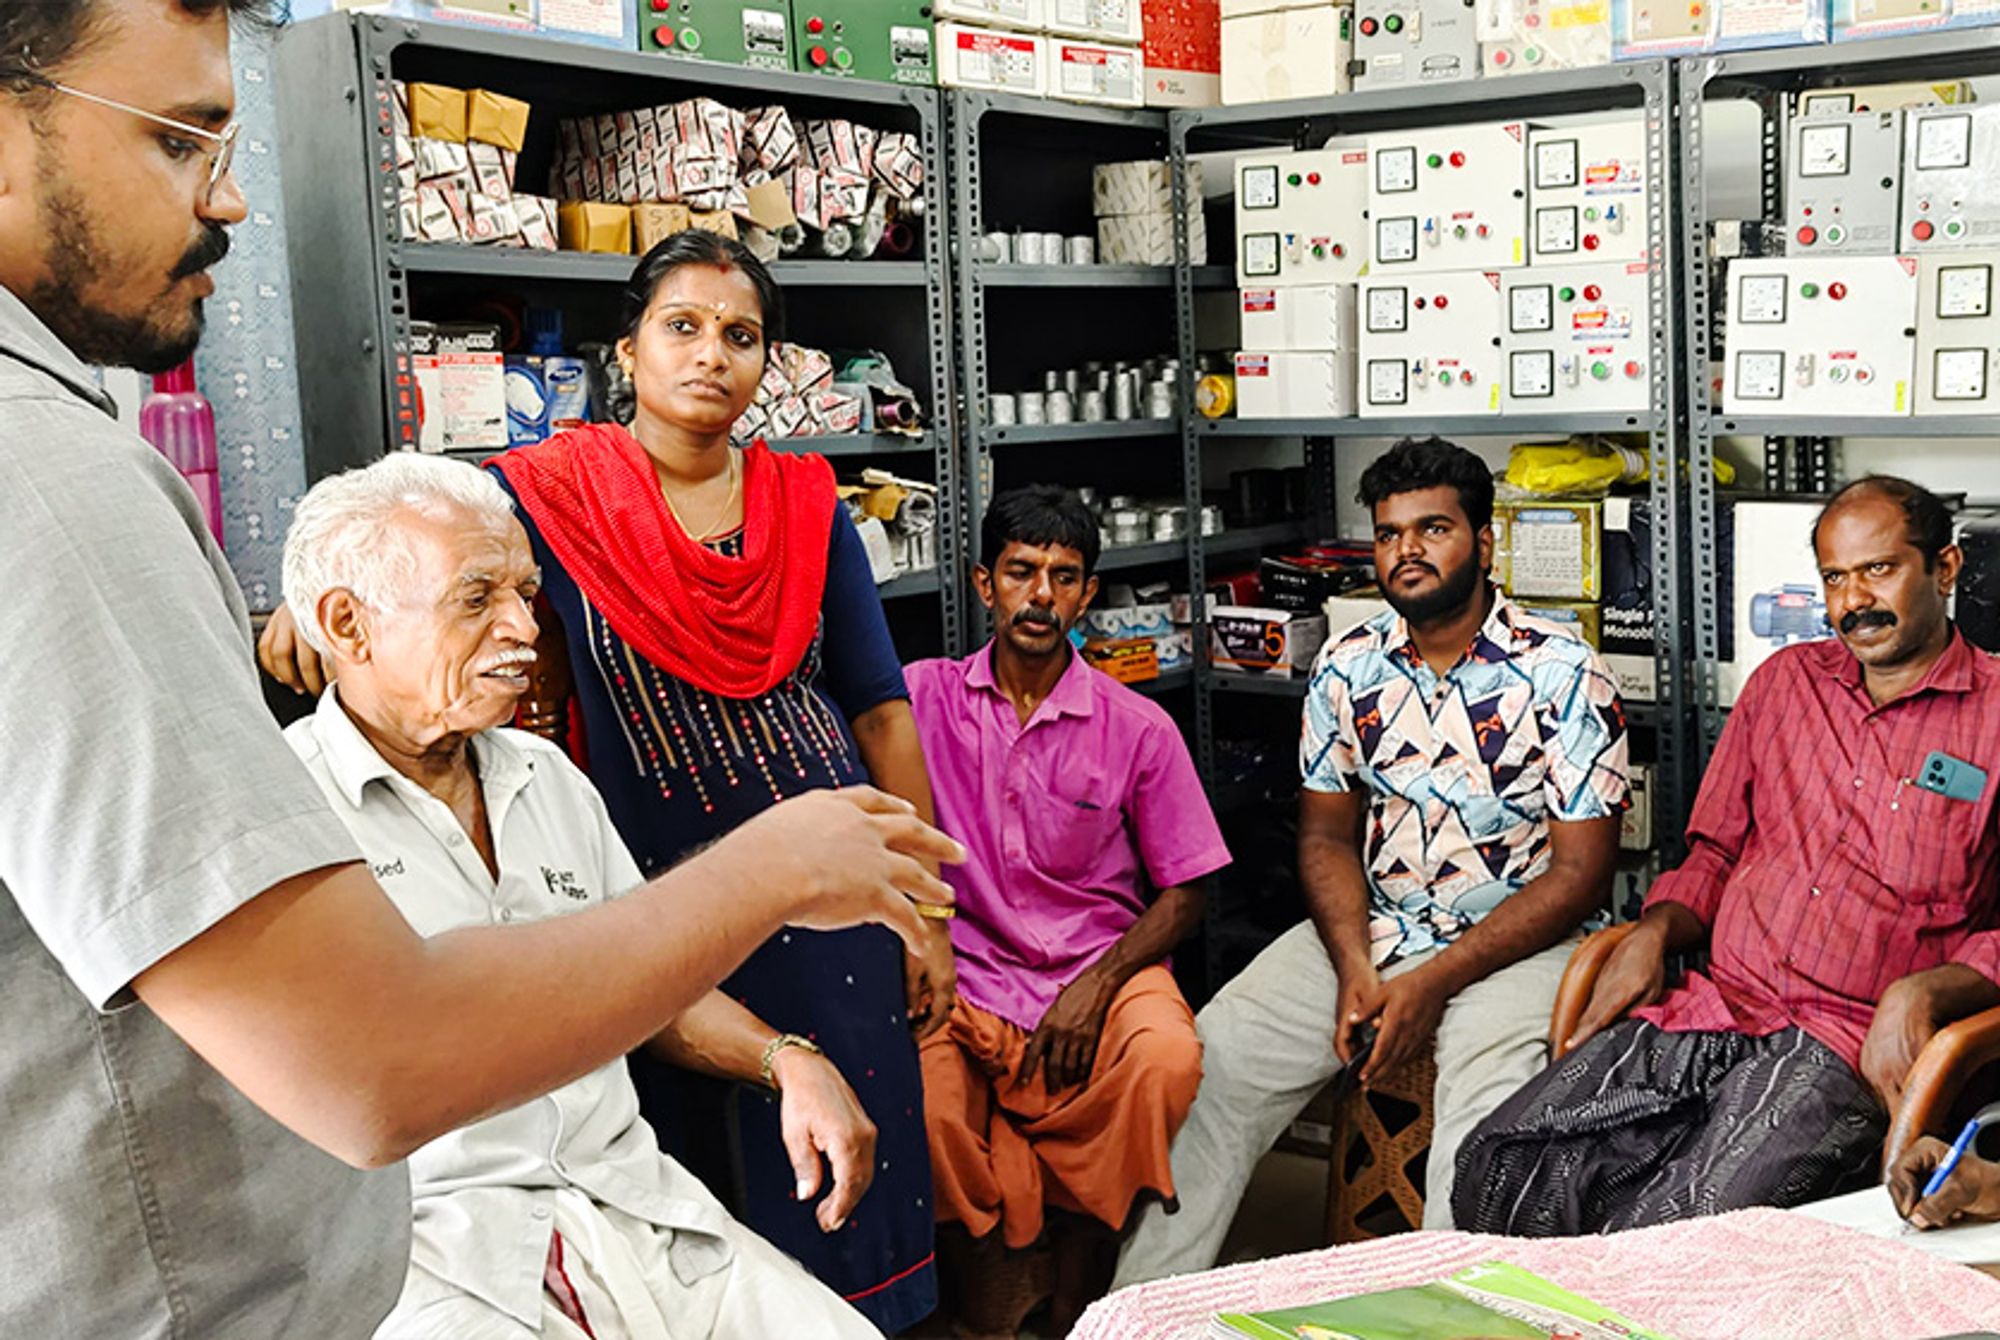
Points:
(1071, 1059)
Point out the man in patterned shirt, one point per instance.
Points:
(1464, 768)
(1841, 871)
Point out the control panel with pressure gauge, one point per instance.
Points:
(1576, 338)
(1951, 178)
(1843, 178)
(1826, 335)
(1300, 217)
(1587, 192)
(1958, 333)
(1450, 198)
(1430, 344)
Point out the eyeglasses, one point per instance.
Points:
(220, 146)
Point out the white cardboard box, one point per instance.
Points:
(1290, 385)
(1104, 20)
(1273, 50)
(1148, 239)
(1020, 15)
(1316, 318)
(1277, 644)
(1081, 70)
(1142, 187)
(988, 58)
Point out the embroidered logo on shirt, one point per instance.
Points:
(384, 869)
(564, 883)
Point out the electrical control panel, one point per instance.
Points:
(1430, 344)
(1295, 385)
(1577, 338)
(1951, 178)
(1533, 36)
(1587, 192)
(1958, 333)
(1308, 317)
(756, 33)
(888, 41)
(1842, 174)
(1301, 217)
(1451, 198)
(1401, 43)
(1883, 97)
(1823, 335)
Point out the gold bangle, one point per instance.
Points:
(778, 1044)
(934, 911)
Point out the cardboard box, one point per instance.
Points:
(605, 23)
(719, 221)
(1274, 643)
(1027, 16)
(1127, 660)
(1274, 50)
(1549, 548)
(1345, 613)
(1094, 72)
(438, 112)
(1119, 190)
(1652, 29)
(1635, 826)
(653, 223)
(1774, 597)
(461, 386)
(1278, 384)
(988, 58)
(1317, 318)
(1104, 20)
(1303, 584)
(1628, 638)
(587, 225)
(1581, 617)
(1182, 52)
(1148, 239)
(494, 118)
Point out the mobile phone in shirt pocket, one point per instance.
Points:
(1952, 778)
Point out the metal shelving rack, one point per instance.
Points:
(1648, 87)
(365, 283)
(992, 136)
(1768, 79)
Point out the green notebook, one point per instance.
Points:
(1493, 1301)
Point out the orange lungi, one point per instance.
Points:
(1001, 1150)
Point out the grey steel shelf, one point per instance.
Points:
(450, 258)
(856, 444)
(1049, 109)
(1597, 88)
(1747, 425)
(1249, 539)
(594, 64)
(1180, 677)
(1141, 555)
(1073, 276)
(1110, 430)
(1462, 425)
(1238, 681)
(924, 583)
(1960, 51)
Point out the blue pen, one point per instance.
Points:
(1947, 1164)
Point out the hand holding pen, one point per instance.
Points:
(1935, 1184)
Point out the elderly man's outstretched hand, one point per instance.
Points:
(851, 857)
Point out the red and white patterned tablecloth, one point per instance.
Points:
(1754, 1274)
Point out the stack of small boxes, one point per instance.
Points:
(455, 154)
(1078, 50)
(700, 164)
(1134, 205)
(797, 399)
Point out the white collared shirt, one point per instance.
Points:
(483, 1194)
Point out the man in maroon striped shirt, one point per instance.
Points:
(1841, 872)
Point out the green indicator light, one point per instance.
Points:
(1590, 216)
(1293, 180)
(1566, 293)
(1394, 23)
(1434, 161)
(1809, 290)
(1444, 379)
(1600, 370)
(843, 57)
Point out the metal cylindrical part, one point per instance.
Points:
(1033, 407)
(1001, 410)
(1061, 409)
(1124, 397)
(1093, 407)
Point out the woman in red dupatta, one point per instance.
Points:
(728, 650)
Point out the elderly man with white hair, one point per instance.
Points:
(559, 1218)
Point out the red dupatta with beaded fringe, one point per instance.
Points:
(733, 626)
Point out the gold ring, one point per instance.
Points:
(935, 911)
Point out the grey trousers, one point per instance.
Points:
(1267, 1048)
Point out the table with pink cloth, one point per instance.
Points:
(1755, 1274)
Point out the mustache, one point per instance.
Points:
(1854, 619)
(1398, 570)
(206, 253)
(1037, 618)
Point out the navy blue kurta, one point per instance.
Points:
(679, 767)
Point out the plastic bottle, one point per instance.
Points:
(181, 426)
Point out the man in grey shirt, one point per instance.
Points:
(214, 1017)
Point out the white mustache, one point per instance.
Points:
(519, 656)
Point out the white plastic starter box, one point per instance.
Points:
(1951, 178)
(1449, 198)
(1820, 335)
(1405, 43)
(1577, 338)
(1318, 317)
(1273, 50)
(1430, 344)
(1533, 36)
(1293, 385)
(1843, 179)
(1587, 192)
(1958, 333)
(1301, 218)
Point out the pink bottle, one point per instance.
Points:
(179, 423)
